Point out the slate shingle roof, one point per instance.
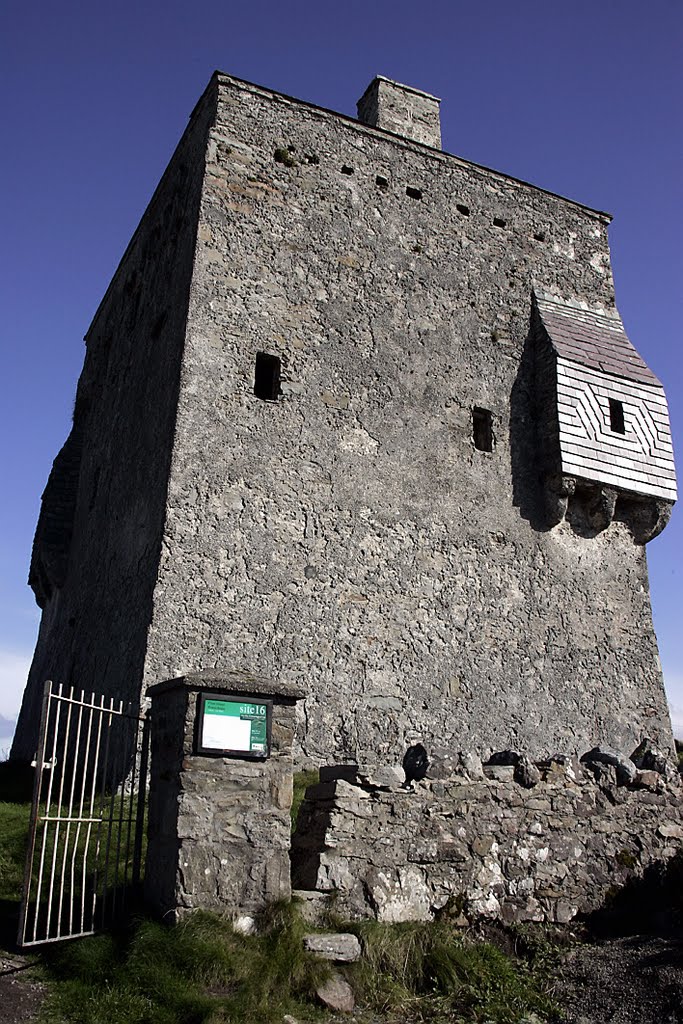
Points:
(593, 339)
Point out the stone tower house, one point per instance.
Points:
(361, 415)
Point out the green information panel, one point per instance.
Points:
(237, 726)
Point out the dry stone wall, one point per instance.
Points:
(519, 843)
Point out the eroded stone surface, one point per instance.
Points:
(336, 994)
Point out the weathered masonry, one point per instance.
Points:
(361, 417)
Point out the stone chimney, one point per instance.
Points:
(400, 109)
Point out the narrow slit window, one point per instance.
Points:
(482, 429)
(267, 377)
(616, 416)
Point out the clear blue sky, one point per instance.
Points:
(582, 99)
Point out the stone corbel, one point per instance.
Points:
(600, 507)
(647, 519)
(558, 489)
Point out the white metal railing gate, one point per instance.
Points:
(88, 816)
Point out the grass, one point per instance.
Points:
(201, 972)
(430, 972)
(302, 780)
(198, 971)
(14, 820)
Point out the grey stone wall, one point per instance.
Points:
(93, 631)
(480, 844)
(219, 828)
(349, 535)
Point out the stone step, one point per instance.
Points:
(341, 947)
(313, 905)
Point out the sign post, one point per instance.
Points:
(219, 831)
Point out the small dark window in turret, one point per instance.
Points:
(482, 429)
(267, 377)
(616, 416)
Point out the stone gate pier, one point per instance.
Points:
(219, 822)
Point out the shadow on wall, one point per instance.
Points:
(525, 451)
(537, 484)
(652, 902)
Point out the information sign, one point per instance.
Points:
(233, 726)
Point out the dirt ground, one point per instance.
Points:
(21, 996)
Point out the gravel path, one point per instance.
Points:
(634, 980)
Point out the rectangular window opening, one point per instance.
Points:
(482, 429)
(346, 169)
(414, 193)
(382, 182)
(499, 222)
(464, 210)
(616, 416)
(267, 377)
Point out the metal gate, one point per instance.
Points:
(88, 816)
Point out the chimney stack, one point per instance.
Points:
(402, 110)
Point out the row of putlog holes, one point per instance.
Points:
(382, 183)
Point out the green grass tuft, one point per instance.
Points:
(14, 820)
(429, 972)
(284, 156)
(302, 780)
(197, 971)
